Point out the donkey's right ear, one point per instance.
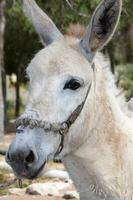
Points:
(101, 28)
(42, 23)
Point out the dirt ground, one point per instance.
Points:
(27, 197)
(6, 140)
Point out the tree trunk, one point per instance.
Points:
(4, 96)
(17, 106)
(2, 28)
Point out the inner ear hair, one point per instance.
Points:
(102, 27)
(104, 23)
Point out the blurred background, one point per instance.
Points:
(19, 43)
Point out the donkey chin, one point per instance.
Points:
(30, 150)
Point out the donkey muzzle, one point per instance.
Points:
(23, 159)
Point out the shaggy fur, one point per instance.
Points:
(101, 166)
(98, 149)
(78, 31)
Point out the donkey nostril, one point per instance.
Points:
(30, 158)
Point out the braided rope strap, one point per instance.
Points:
(32, 123)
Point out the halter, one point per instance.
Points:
(60, 128)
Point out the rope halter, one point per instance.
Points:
(61, 128)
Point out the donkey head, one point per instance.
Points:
(61, 84)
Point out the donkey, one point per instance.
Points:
(72, 113)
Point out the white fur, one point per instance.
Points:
(98, 148)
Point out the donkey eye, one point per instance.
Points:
(73, 84)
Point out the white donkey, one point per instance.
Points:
(72, 112)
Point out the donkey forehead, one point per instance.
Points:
(59, 58)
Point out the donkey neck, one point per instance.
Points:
(100, 167)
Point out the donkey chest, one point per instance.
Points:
(86, 182)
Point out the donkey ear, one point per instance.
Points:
(42, 23)
(102, 27)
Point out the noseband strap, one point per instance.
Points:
(26, 120)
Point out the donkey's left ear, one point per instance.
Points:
(101, 28)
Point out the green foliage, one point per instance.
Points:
(21, 41)
(126, 78)
(63, 14)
